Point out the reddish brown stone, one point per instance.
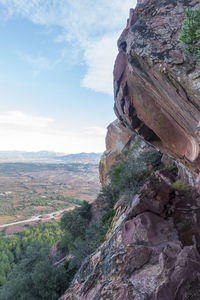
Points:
(118, 138)
(152, 251)
(158, 85)
(147, 256)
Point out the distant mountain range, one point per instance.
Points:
(48, 156)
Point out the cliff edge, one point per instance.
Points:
(156, 84)
(152, 249)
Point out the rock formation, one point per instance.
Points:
(156, 85)
(152, 251)
(118, 138)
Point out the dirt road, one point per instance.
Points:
(44, 217)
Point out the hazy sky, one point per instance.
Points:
(56, 62)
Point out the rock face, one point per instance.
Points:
(152, 252)
(156, 86)
(118, 138)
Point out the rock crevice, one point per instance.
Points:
(148, 255)
(155, 82)
(152, 250)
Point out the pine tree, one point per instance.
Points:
(190, 36)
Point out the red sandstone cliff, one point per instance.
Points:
(156, 85)
(152, 250)
(118, 138)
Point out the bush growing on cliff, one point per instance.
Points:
(74, 224)
(108, 217)
(179, 185)
(190, 36)
(129, 174)
(108, 196)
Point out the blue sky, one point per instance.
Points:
(56, 62)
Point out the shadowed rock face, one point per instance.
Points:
(118, 138)
(152, 250)
(156, 86)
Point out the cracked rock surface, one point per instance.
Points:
(156, 85)
(152, 252)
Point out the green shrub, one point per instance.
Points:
(108, 217)
(107, 197)
(191, 31)
(74, 224)
(179, 185)
(128, 175)
(75, 221)
(173, 168)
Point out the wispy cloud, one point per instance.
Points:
(22, 131)
(90, 26)
(18, 118)
(94, 130)
(100, 56)
(37, 63)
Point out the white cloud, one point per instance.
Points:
(100, 56)
(95, 131)
(25, 132)
(17, 118)
(89, 25)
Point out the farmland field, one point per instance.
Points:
(29, 189)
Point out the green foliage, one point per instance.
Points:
(25, 262)
(84, 210)
(108, 217)
(128, 175)
(173, 168)
(84, 246)
(81, 236)
(108, 196)
(179, 185)
(74, 223)
(24, 258)
(13, 249)
(35, 278)
(190, 36)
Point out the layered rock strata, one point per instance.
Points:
(156, 85)
(152, 252)
(118, 138)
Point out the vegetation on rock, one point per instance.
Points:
(191, 31)
(130, 172)
(25, 260)
(179, 185)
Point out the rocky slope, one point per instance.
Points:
(152, 249)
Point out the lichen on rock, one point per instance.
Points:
(152, 250)
(154, 79)
(149, 254)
